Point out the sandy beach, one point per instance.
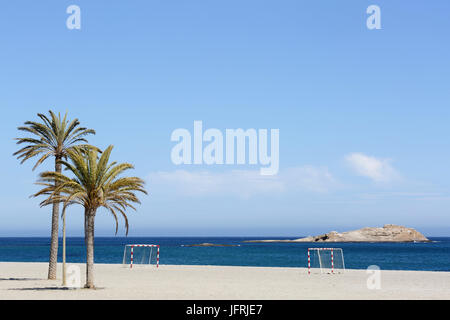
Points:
(27, 281)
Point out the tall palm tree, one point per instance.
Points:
(95, 184)
(53, 137)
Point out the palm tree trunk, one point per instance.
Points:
(89, 218)
(53, 262)
(64, 276)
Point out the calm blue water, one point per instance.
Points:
(433, 256)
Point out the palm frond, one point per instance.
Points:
(95, 184)
(53, 136)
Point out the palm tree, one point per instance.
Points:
(53, 137)
(96, 184)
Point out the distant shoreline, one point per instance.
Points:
(330, 242)
(183, 237)
(386, 234)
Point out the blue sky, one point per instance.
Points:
(363, 114)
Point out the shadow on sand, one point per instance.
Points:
(52, 289)
(20, 279)
(42, 289)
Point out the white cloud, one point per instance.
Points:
(244, 183)
(379, 170)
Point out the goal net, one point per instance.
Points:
(326, 260)
(141, 255)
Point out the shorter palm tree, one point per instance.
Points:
(95, 184)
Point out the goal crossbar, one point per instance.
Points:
(132, 246)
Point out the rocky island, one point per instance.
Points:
(388, 233)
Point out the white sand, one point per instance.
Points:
(27, 281)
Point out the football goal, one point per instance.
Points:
(326, 260)
(141, 254)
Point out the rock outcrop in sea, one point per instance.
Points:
(388, 233)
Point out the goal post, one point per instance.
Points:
(326, 260)
(141, 254)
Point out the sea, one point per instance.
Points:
(433, 256)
